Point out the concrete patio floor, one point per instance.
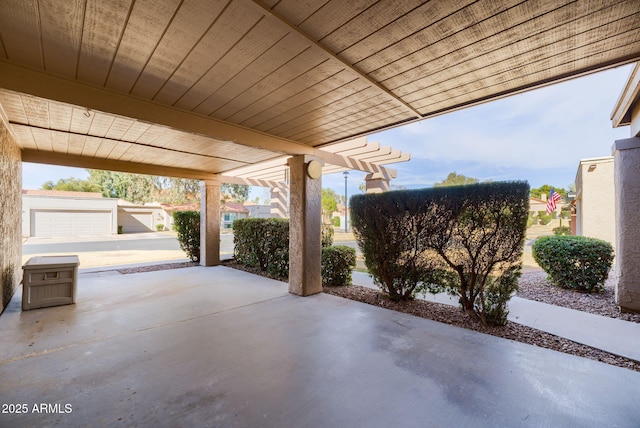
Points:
(219, 347)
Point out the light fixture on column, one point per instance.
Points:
(346, 222)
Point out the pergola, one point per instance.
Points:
(211, 89)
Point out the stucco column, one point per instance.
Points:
(210, 223)
(376, 183)
(11, 218)
(305, 245)
(626, 158)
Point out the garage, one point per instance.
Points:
(49, 213)
(135, 222)
(46, 223)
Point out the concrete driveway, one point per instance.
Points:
(219, 347)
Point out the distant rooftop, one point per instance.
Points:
(62, 193)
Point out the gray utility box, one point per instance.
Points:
(49, 281)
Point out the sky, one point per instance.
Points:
(538, 136)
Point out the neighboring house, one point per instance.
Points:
(47, 213)
(340, 214)
(258, 211)
(232, 211)
(595, 199)
(136, 218)
(540, 204)
(169, 209)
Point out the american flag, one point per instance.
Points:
(551, 202)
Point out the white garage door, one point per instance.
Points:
(135, 222)
(70, 223)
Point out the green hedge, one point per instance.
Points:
(337, 264)
(187, 224)
(574, 262)
(467, 239)
(263, 243)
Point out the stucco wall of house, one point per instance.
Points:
(595, 207)
(11, 209)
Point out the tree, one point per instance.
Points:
(329, 203)
(235, 192)
(140, 188)
(135, 188)
(545, 189)
(178, 191)
(454, 179)
(71, 184)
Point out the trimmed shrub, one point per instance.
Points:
(545, 219)
(337, 264)
(327, 235)
(187, 224)
(387, 226)
(468, 239)
(574, 262)
(262, 243)
(562, 230)
(159, 227)
(335, 221)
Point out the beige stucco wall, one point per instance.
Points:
(10, 220)
(595, 199)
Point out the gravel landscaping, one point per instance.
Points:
(533, 285)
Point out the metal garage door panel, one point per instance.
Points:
(46, 223)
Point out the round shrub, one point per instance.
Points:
(574, 262)
(337, 263)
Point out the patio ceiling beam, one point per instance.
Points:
(259, 167)
(352, 163)
(252, 182)
(45, 85)
(78, 161)
(371, 147)
(356, 143)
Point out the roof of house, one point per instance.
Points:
(537, 200)
(62, 193)
(180, 207)
(232, 207)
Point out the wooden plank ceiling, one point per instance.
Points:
(309, 73)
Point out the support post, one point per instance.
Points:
(305, 244)
(210, 223)
(626, 155)
(376, 183)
